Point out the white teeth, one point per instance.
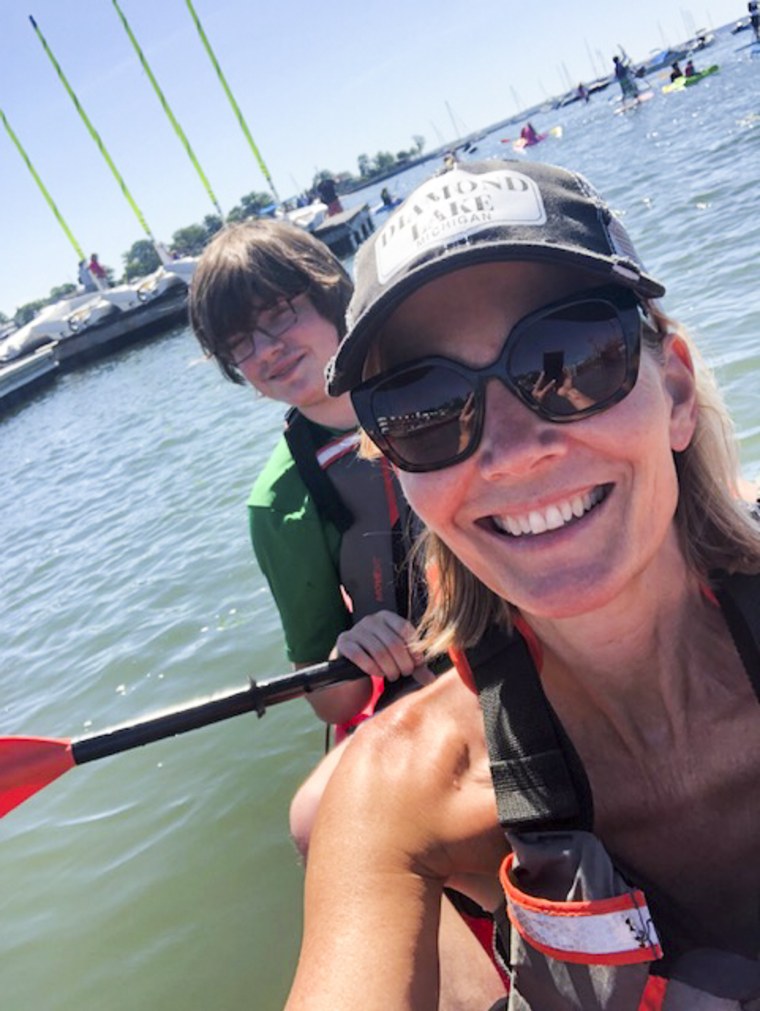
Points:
(554, 518)
(551, 518)
(537, 522)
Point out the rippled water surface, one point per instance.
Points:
(163, 878)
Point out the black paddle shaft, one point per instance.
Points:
(257, 696)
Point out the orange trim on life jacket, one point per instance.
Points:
(612, 931)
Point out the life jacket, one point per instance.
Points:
(579, 931)
(363, 500)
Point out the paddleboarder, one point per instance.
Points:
(628, 86)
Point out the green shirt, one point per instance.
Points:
(299, 554)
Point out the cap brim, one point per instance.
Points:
(345, 370)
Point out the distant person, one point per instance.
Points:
(85, 277)
(625, 80)
(754, 18)
(450, 161)
(328, 194)
(386, 197)
(529, 135)
(676, 72)
(688, 70)
(583, 92)
(98, 272)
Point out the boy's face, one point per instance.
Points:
(284, 358)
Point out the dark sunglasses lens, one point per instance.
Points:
(572, 360)
(428, 415)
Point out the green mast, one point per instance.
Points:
(177, 128)
(101, 146)
(46, 195)
(233, 103)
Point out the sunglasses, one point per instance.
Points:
(565, 361)
(279, 319)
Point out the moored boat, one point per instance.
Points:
(86, 326)
(20, 378)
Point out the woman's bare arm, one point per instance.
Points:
(409, 806)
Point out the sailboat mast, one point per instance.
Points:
(165, 105)
(233, 103)
(51, 203)
(100, 145)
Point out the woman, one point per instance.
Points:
(597, 580)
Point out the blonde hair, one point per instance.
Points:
(715, 528)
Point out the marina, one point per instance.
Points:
(164, 878)
(80, 329)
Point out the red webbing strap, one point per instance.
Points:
(653, 997)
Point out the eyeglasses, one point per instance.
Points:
(279, 319)
(565, 361)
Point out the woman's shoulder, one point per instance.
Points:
(416, 778)
(421, 745)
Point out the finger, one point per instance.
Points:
(423, 675)
(377, 649)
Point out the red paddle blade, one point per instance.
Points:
(27, 764)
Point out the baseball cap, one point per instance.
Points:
(480, 212)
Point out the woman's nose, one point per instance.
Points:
(515, 439)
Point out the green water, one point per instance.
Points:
(163, 878)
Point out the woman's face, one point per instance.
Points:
(555, 518)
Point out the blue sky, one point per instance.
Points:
(319, 84)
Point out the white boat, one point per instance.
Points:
(88, 324)
(307, 217)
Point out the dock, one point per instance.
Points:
(343, 233)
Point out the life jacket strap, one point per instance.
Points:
(538, 778)
(303, 446)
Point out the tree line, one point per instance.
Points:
(141, 258)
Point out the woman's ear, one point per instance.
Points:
(681, 386)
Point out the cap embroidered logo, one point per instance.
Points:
(459, 204)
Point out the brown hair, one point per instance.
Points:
(249, 267)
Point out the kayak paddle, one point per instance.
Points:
(27, 764)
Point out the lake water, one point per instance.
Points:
(164, 878)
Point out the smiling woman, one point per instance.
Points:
(599, 583)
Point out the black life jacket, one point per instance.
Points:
(581, 935)
(363, 500)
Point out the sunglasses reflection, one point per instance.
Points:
(556, 377)
(467, 420)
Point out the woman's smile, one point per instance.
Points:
(561, 513)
